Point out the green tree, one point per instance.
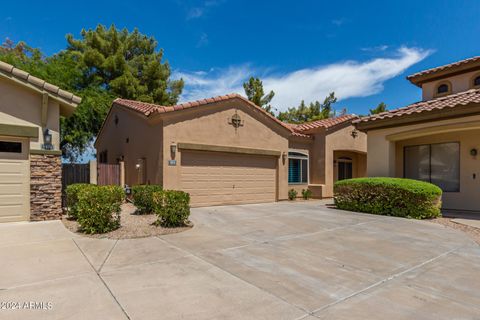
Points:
(382, 107)
(103, 64)
(254, 91)
(313, 111)
(127, 64)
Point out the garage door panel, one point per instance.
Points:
(14, 183)
(214, 178)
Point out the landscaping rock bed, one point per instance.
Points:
(132, 225)
(472, 232)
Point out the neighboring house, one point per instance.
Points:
(435, 140)
(30, 158)
(227, 150)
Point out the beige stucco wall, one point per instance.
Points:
(459, 83)
(145, 140)
(388, 159)
(209, 125)
(326, 146)
(22, 106)
(337, 140)
(469, 166)
(303, 146)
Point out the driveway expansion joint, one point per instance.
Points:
(239, 278)
(385, 280)
(103, 281)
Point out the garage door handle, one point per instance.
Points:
(233, 186)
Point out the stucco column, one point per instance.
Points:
(122, 173)
(380, 156)
(93, 171)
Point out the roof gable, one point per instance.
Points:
(149, 109)
(66, 99)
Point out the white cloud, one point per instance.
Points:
(203, 41)
(376, 48)
(200, 10)
(339, 22)
(347, 79)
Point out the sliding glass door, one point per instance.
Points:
(436, 163)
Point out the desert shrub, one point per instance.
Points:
(72, 197)
(143, 197)
(171, 207)
(389, 196)
(306, 194)
(98, 208)
(292, 194)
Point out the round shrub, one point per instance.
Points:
(292, 194)
(172, 208)
(306, 194)
(143, 197)
(389, 196)
(98, 208)
(72, 192)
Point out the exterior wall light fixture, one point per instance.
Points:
(47, 140)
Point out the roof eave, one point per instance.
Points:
(67, 106)
(414, 118)
(420, 79)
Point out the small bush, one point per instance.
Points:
(292, 194)
(143, 197)
(306, 194)
(72, 197)
(171, 207)
(98, 208)
(389, 196)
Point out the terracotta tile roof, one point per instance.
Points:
(450, 101)
(444, 67)
(325, 123)
(11, 71)
(149, 109)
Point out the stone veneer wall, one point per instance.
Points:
(45, 187)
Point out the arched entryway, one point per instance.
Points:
(349, 164)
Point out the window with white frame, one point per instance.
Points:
(297, 167)
(435, 163)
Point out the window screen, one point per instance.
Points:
(298, 170)
(10, 146)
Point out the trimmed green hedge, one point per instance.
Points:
(143, 197)
(72, 197)
(98, 208)
(171, 207)
(389, 196)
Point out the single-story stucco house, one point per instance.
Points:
(227, 150)
(30, 158)
(435, 140)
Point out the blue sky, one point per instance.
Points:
(362, 50)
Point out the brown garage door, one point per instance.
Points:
(216, 178)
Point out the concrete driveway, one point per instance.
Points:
(270, 261)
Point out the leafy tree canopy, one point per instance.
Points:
(103, 64)
(126, 64)
(254, 91)
(313, 111)
(382, 107)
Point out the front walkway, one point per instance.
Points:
(270, 261)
